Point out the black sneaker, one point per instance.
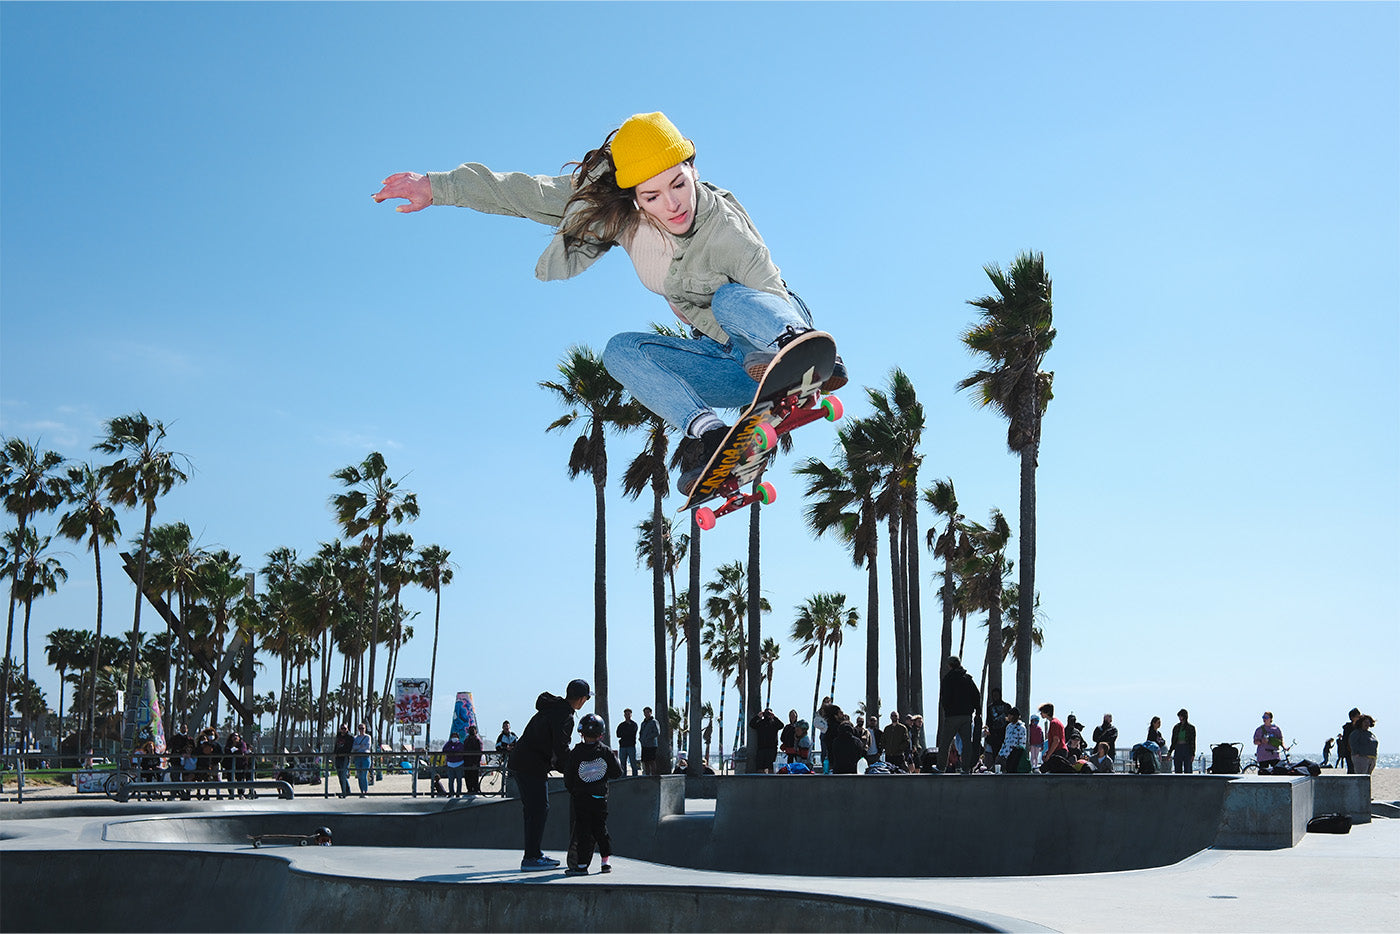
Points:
(605, 868)
(756, 362)
(695, 455)
(576, 871)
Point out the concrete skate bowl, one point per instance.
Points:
(873, 826)
(164, 890)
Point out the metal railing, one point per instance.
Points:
(283, 773)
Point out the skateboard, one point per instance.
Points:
(302, 839)
(789, 397)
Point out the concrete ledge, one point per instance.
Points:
(1343, 794)
(1265, 812)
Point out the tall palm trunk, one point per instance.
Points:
(432, 665)
(129, 726)
(96, 648)
(753, 660)
(901, 631)
(817, 688)
(945, 648)
(25, 712)
(1026, 611)
(371, 708)
(600, 580)
(872, 635)
(9, 637)
(916, 635)
(694, 764)
(658, 607)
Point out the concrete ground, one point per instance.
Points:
(1345, 882)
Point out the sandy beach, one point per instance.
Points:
(1385, 785)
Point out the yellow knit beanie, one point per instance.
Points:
(647, 145)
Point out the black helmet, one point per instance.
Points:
(323, 831)
(592, 725)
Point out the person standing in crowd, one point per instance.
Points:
(344, 744)
(542, 748)
(996, 727)
(766, 727)
(649, 735)
(505, 740)
(586, 773)
(1364, 745)
(1183, 744)
(1327, 752)
(1344, 748)
(178, 746)
(1035, 740)
(471, 760)
(843, 748)
(361, 747)
(819, 723)
(627, 742)
(896, 741)
(959, 698)
(787, 740)
(454, 760)
(1106, 732)
(240, 762)
(1268, 740)
(1013, 744)
(1054, 730)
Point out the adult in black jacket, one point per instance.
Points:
(843, 748)
(766, 727)
(959, 698)
(544, 746)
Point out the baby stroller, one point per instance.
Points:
(1225, 758)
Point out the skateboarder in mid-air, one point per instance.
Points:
(690, 242)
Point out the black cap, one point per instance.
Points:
(578, 688)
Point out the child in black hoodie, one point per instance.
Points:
(586, 776)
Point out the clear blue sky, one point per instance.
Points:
(187, 231)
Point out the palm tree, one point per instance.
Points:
(732, 602)
(1014, 334)
(144, 473)
(30, 484)
(648, 471)
(594, 402)
(818, 625)
(61, 651)
(35, 574)
(842, 500)
(434, 573)
(723, 650)
(372, 500)
(769, 654)
(944, 500)
(983, 573)
(901, 417)
(93, 519)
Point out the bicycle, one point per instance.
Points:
(1284, 763)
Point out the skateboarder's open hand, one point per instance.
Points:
(411, 186)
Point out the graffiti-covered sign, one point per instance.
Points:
(413, 700)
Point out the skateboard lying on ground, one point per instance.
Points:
(789, 397)
(322, 837)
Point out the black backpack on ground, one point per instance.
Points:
(1330, 823)
(1145, 759)
(1225, 759)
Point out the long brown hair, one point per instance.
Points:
(608, 211)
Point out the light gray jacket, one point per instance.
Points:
(722, 246)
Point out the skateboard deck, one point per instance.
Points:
(301, 839)
(789, 397)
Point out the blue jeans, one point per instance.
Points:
(624, 753)
(342, 771)
(681, 378)
(362, 768)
